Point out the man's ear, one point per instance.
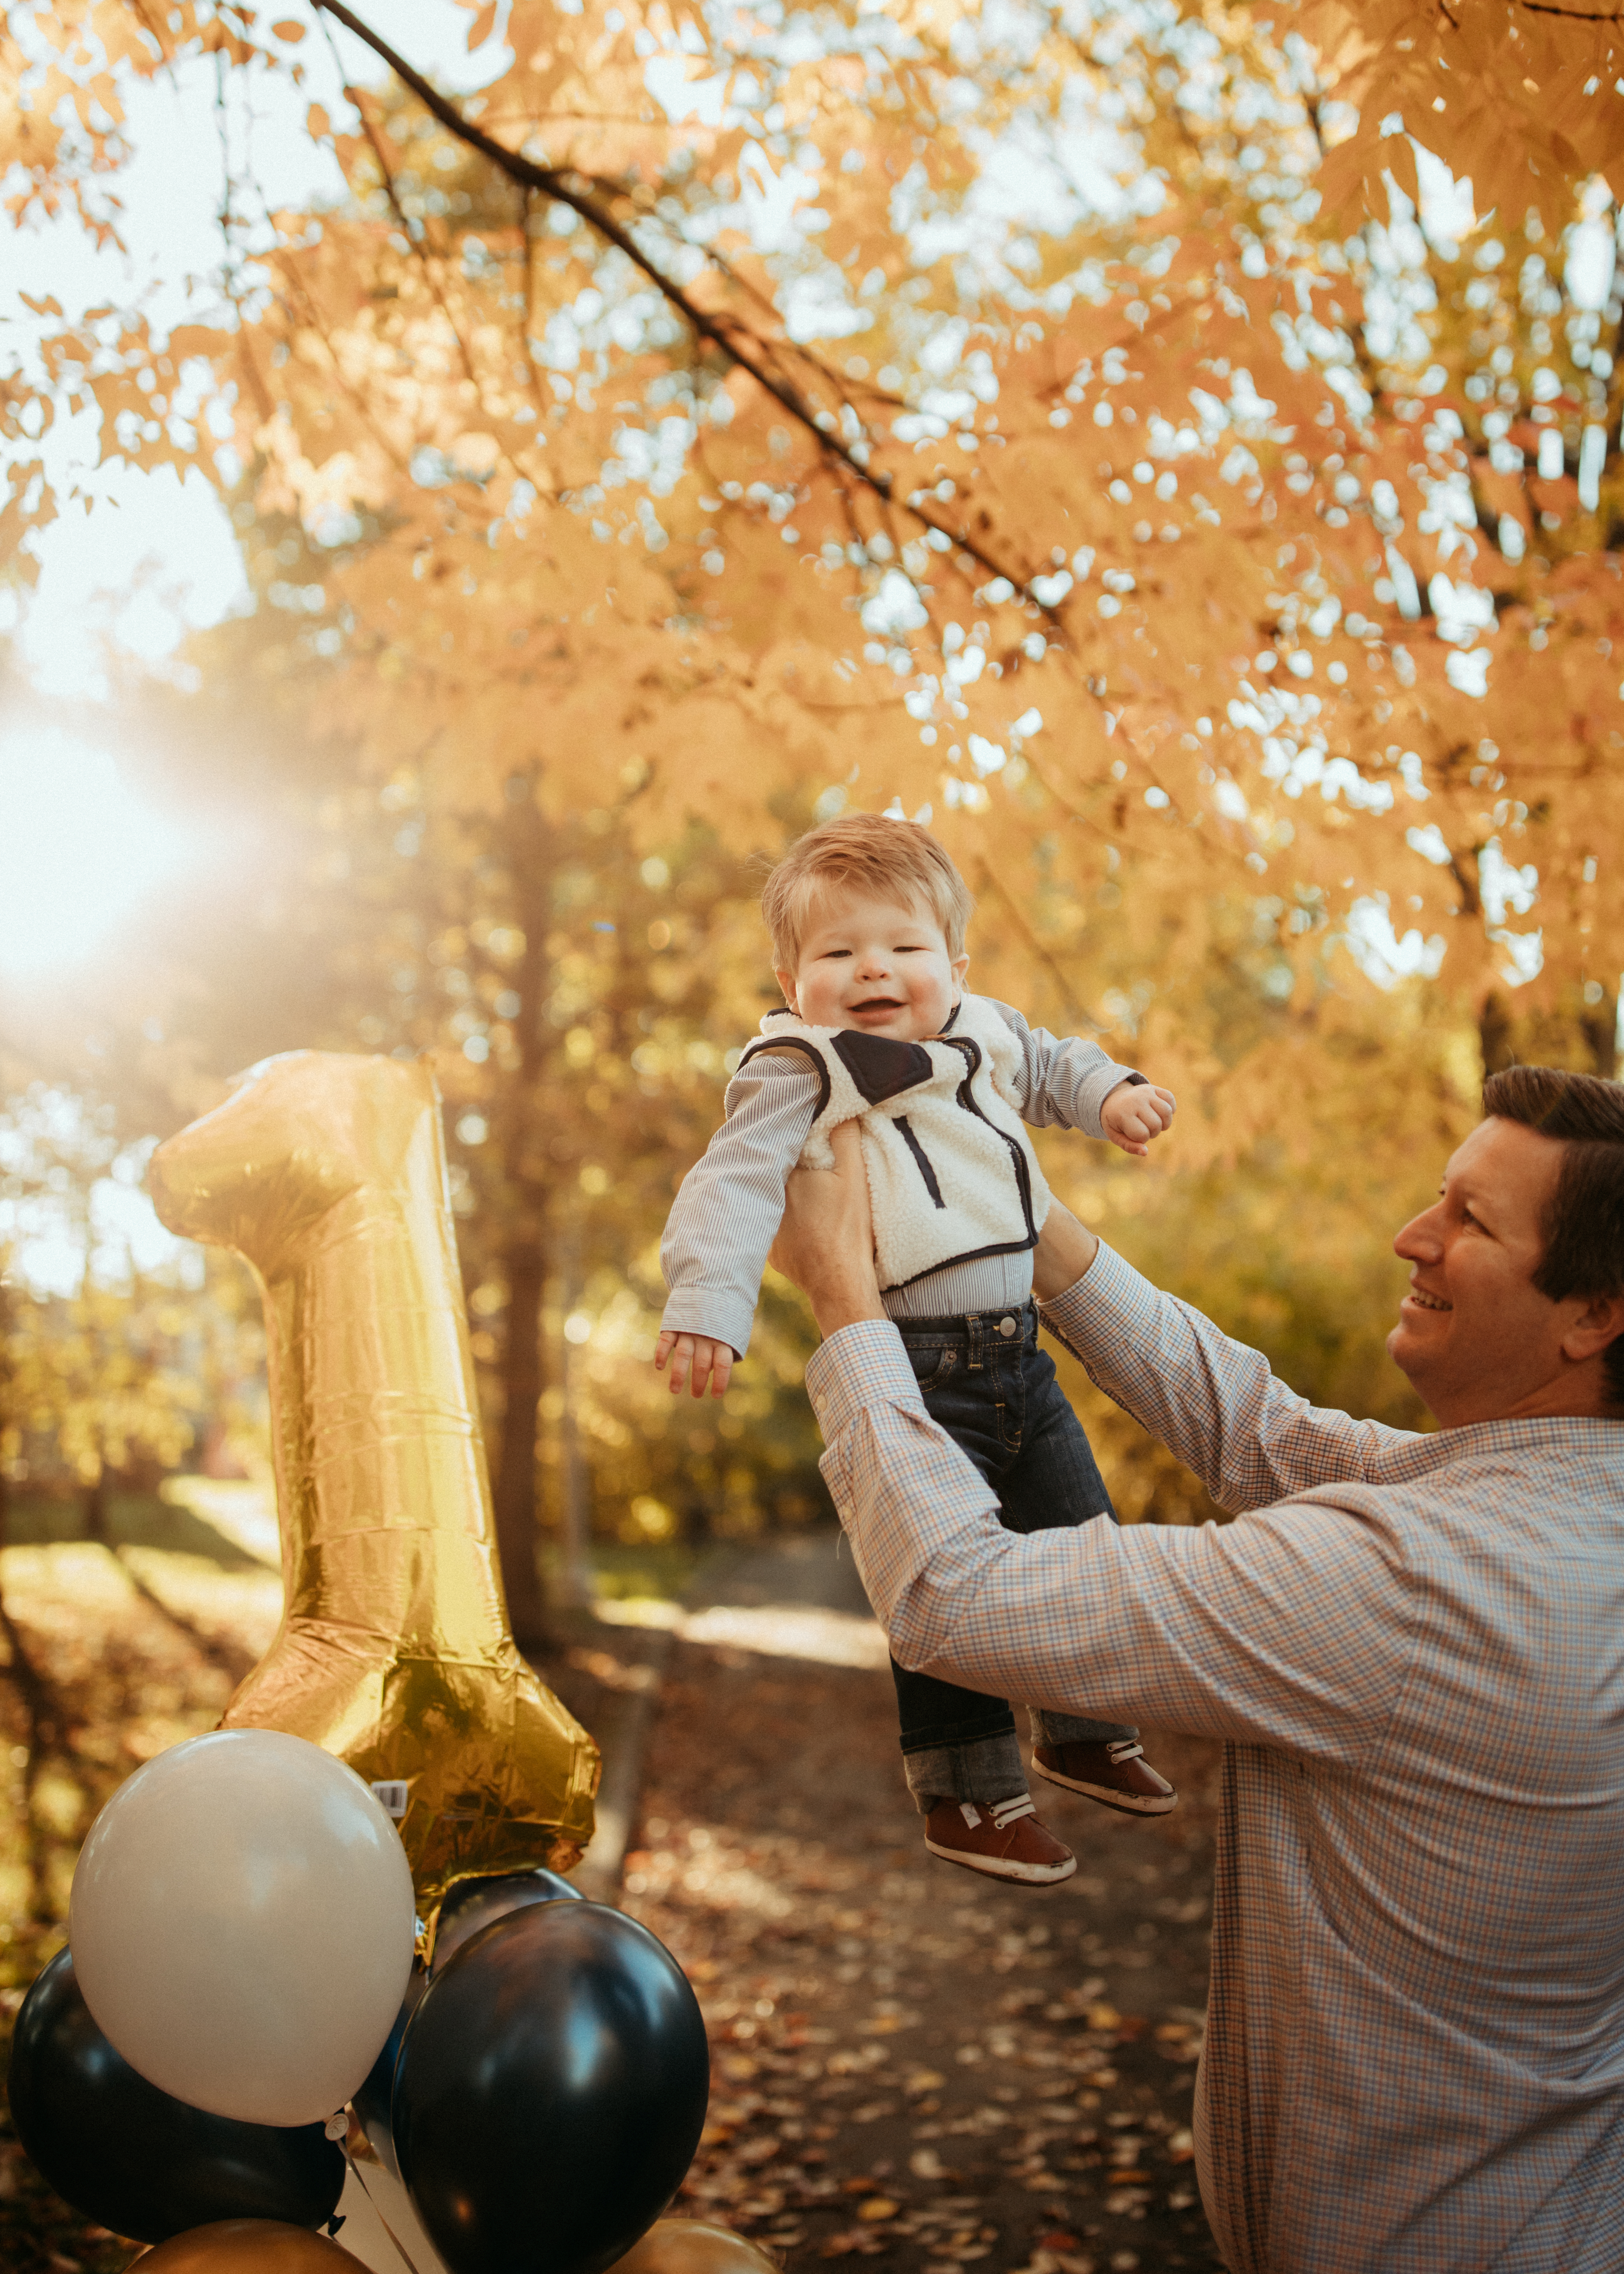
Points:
(1599, 1321)
(786, 981)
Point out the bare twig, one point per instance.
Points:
(353, 95)
(526, 318)
(1568, 15)
(988, 878)
(313, 314)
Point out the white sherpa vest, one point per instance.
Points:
(951, 1176)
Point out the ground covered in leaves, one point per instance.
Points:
(107, 1654)
(910, 2062)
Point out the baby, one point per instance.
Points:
(869, 917)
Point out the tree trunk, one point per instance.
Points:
(575, 1526)
(515, 1487)
(1582, 1037)
(575, 1580)
(1494, 1034)
(1600, 1025)
(531, 848)
(6, 1400)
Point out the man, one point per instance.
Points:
(1414, 1648)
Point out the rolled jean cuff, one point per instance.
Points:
(1073, 1729)
(984, 1770)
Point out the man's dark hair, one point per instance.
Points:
(1583, 1225)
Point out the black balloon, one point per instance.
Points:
(473, 1903)
(550, 2092)
(374, 2102)
(136, 2160)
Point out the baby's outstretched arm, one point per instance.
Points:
(1135, 1113)
(700, 1357)
(724, 1220)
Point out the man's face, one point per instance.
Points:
(1476, 1338)
(877, 965)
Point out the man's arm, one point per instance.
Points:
(1295, 1628)
(1212, 1401)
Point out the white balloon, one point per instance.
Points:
(241, 1925)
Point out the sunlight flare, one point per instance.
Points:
(78, 850)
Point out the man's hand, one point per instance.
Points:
(702, 1355)
(825, 1243)
(1066, 1250)
(1135, 1112)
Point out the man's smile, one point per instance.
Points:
(1426, 1302)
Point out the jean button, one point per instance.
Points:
(1006, 1326)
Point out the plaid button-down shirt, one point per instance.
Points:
(1413, 1647)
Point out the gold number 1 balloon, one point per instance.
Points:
(328, 1174)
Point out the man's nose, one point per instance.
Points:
(1421, 1240)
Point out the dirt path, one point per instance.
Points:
(910, 2060)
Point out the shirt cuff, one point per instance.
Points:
(717, 1312)
(1093, 1093)
(1110, 1300)
(863, 1365)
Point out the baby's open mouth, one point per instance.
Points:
(878, 1003)
(1429, 1302)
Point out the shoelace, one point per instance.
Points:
(1005, 1812)
(1124, 1749)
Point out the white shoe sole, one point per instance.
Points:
(1029, 1875)
(1125, 1804)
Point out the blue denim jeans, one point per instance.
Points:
(995, 1394)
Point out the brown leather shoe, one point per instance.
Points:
(1002, 1838)
(1115, 1772)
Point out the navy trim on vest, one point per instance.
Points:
(865, 1057)
(825, 1087)
(880, 1065)
(899, 1122)
(970, 1051)
(952, 1263)
(1023, 1175)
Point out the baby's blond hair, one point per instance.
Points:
(875, 853)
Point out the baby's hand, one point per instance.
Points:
(705, 1357)
(1135, 1112)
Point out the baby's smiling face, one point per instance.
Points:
(880, 966)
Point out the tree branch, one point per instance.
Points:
(380, 159)
(988, 879)
(723, 332)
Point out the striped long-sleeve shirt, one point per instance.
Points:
(1413, 1647)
